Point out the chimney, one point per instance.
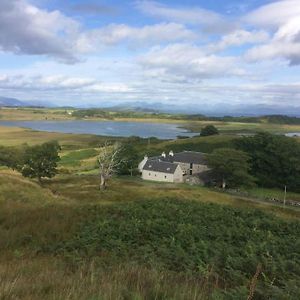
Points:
(171, 153)
(163, 154)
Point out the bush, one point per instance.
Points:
(190, 237)
(209, 130)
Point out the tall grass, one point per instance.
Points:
(50, 278)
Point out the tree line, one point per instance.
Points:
(265, 159)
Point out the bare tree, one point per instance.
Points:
(108, 162)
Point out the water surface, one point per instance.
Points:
(106, 128)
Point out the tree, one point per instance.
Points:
(109, 161)
(275, 159)
(41, 161)
(209, 130)
(12, 157)
(230, 167)
(128, 158)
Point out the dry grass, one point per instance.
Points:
(50, 278)
(14, 136)
(26, 114)
(34, 218)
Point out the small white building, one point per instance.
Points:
(174, 167)
(162, 171)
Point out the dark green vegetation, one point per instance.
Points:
(129, 158)
(73, 158)
(40, 161)
(209, 130)
(230, 167)
(183, 236)
(274, 160)
(11, 157)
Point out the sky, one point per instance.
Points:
(205, 56)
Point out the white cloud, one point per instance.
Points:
(274, 14)
(275, 50)
(285, 44)
(184, 62)
(116, 33)
(212, 21)
(238, 38)
(25, 29)
(284, 17)
(109, 88)
(60, 83)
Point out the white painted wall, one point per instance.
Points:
(142, 164)
(163, 177)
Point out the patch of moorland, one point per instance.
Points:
(51, 236)
(18, 190)
(78, 158)
(27, 113)
(14, 136)
(194, 238)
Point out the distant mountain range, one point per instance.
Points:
(13, 102)
(217, 110)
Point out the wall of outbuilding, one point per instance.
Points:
(163, 177)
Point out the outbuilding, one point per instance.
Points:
(157, 170)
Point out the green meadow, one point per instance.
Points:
(66, 239)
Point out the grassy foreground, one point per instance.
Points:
(68, 240)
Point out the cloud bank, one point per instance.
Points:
(167, 52)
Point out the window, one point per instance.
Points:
(149, 174)
(165, 177)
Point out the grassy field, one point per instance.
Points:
(14, 136)
(26, 114)
(36, 221)
(67, 239)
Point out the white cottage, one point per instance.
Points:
(174, 167)
(162, 171)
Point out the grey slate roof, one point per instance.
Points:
(184, 157)
(160, 166)
(190, 157)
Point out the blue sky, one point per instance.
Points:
(210, 56)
